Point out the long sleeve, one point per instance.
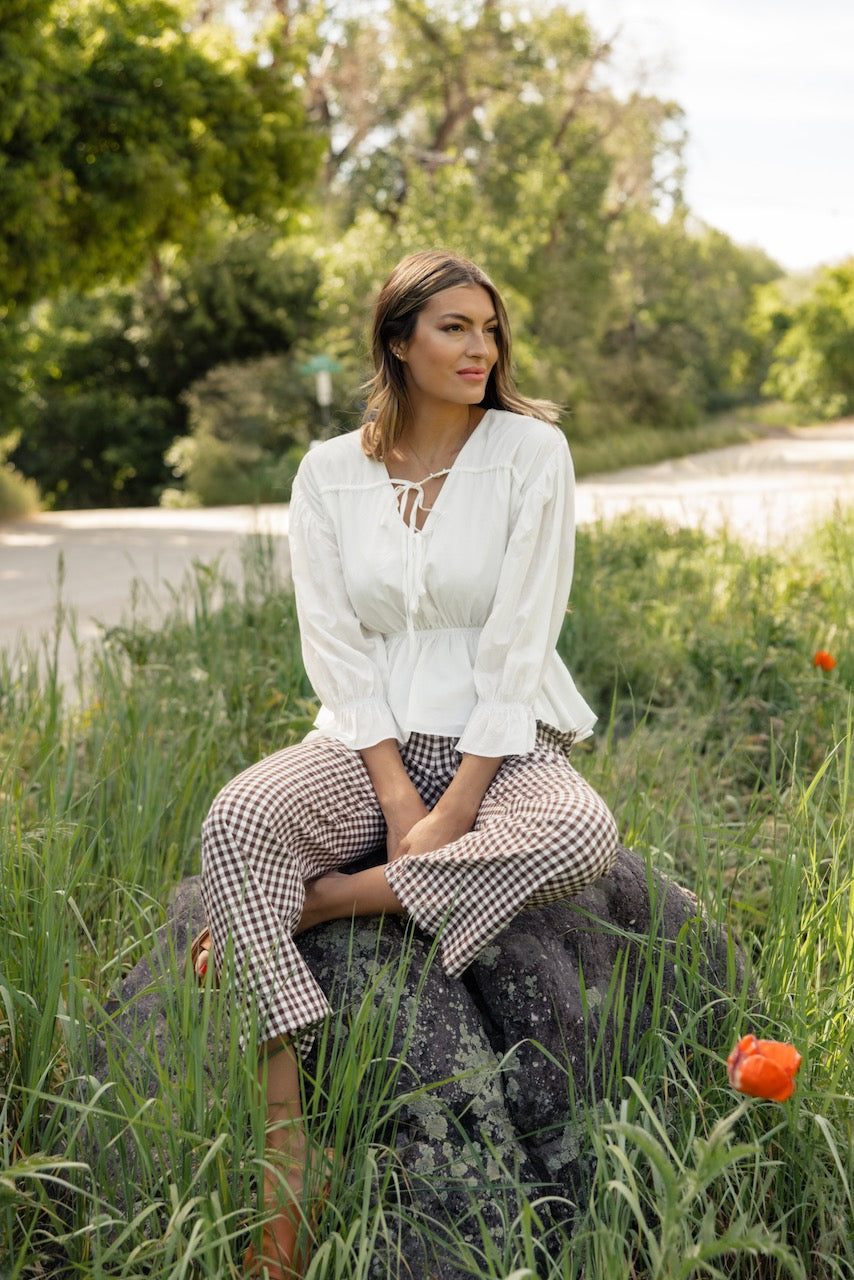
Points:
(345, 663)
(529, 606)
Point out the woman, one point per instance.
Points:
(432, 558)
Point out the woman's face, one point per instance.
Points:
(453, 348)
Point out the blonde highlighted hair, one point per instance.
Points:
(406, 292)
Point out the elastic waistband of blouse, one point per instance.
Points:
(432, 631)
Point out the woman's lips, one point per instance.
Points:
(472, 375)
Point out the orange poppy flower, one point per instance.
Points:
(824, 660)
(764, 1068)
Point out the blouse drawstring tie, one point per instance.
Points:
(414, 588)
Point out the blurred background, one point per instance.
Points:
(198, 201)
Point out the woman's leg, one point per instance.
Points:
(337, 896)
(289, 819)
(285, 1153)
(276, 827)
(286, 1198)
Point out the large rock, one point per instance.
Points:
(492, 1069)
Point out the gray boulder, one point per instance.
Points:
(487, 1075)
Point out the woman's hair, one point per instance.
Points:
(408, 289)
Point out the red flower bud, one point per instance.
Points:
(764, 1068)
(824, 660)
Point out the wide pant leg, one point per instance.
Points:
(542, 834)
(286, 820)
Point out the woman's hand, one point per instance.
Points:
(457, 810)
(436, 829)
(411, 828)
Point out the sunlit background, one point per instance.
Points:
(768, 93)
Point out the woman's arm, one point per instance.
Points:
(456, 810)
(345, 663)
(411, 828)
(399, 800)
(519, 637)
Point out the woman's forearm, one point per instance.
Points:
(410, 828)
(398, 797)
(463, 796)
(389, 778)
(455, 812)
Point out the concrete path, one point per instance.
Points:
(766, 491)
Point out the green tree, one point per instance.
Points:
(814, 360)
(121, 130)
(109, 368)
(250, 424)
(491, 132)
(679, 324)
(495, 132)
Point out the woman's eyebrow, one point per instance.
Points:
(458, 315)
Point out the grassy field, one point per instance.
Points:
(726, 756)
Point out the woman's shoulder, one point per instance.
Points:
(339, 460)
(521, 441)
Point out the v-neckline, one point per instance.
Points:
(447, 472)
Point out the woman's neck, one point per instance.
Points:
(435, 440)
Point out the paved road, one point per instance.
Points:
(766, 491)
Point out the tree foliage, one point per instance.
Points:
(495, 132)
(814, 360)
(148, 170)
(249, 425)
(490, 131)
(110, 368)
(121, 129)
(679, 319)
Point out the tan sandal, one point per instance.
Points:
(201, 942)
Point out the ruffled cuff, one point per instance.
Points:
(499, 729)
(359, 724)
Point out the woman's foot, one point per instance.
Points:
(321, 897)
(333, 896)
(336, 896)
(200, 954)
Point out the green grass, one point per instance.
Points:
(727, 758)
(641, 446)
(596, 452)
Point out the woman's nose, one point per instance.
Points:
(477, 344)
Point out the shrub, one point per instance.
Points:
(814, 361)
(18, 495)
(108, 370)
(250, 424)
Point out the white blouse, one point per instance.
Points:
(451, 629)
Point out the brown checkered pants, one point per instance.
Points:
(542, 833)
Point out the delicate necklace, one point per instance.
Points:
(417, 456)
(426, 465)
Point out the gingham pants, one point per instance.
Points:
(542, 833)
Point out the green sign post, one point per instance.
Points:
(323, 368)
